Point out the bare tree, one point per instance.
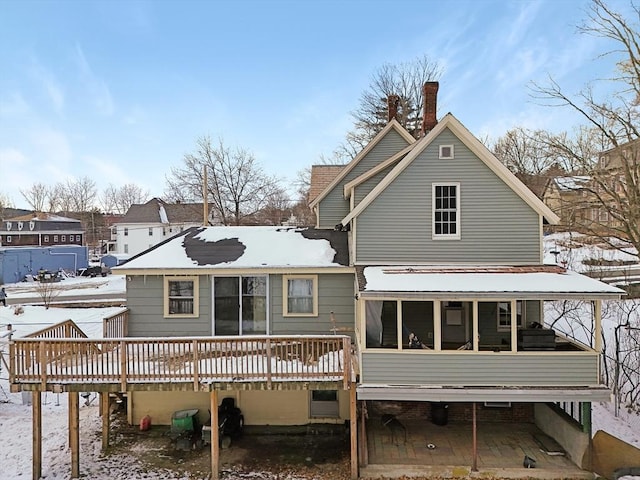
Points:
(5, 202)
(404, 80)
(615, 184)
(118, 199)
(37, 196)
(237, 187)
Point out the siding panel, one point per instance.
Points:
(478, 369)
(496, 225)
(334, 207)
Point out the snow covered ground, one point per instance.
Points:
(15, 415)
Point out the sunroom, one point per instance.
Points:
(476, 326)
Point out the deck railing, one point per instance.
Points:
(64, 329)
(197, 360)
(116, 326)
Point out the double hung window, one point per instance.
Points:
(300, 295)
(446, 210)
(181, 296)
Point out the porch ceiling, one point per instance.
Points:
(485, 394)
(546, 282)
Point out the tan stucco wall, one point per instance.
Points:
(611, 453)
(569, 436)
(258, 407)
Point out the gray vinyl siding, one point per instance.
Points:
(496, 225)
(363, 189)
(335, 294)
(145, 300)
(333, 208)
(479, 369)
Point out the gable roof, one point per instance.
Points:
(159, 211)
(215, 248)
(42, 217)
(392, 125)
(471, 142)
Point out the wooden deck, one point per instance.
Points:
(191, 363)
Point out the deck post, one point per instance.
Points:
(353, 429)
(36, 405)
(215, 441)
(106, 420)
(364, 449)
(474, 448)
(74, 433)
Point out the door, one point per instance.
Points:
(455, 324)
(240, 305)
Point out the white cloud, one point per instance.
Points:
(96, 87)
(50, 85)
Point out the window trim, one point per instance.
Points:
(441, 154)
(440, 236)
(324, 408)
(196, 295)
(519, 324)
(285, 295)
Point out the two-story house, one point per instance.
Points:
(145, 225)
(430, 239)
(40, 241)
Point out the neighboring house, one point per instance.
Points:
(433, 238)
(41, 229)
(145, 225)
(40, 241)
(569, 198)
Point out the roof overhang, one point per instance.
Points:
(283, 270)
(596, 393)
(548, 282)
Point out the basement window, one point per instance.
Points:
(324, 404)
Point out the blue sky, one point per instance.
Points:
(120, 90)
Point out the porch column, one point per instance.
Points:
(474, 447)
(400, 334)
(514, 326)
(36, 460)
(437, 326)
(215, 441)
(586, 417)
(597, 315)
(353, 429)
(74, 433)
(363, 445)
(475, 333)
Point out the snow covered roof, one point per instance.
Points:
(571, 183)
(540, 281)
(245, 247)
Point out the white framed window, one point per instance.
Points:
(126, 248)
(446, 211)
(46, 239)
(63, 238)
(8, 238)
(446, 152)
(181, 296)
(300, 295)
(55, 239)
(151, 231)
(126, 231)
(504, 315)
(77, 238)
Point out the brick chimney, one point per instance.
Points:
(430, 98)
(392, 104)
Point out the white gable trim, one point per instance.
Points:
(348, 188)
(393, 124)
(471, 142)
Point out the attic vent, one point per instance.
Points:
(446, 152)
(497, 404)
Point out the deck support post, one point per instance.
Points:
(364, 449)
(353, 429)
(106, 420)
(474, 453)
(215, 440)
(36, 405)
(74, 433)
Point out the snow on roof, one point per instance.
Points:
(482, 280)
(571, 183)
(242, 247)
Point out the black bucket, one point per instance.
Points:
(439, 413)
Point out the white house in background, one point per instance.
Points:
(148, 224)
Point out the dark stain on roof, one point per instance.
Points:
(212, 253)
